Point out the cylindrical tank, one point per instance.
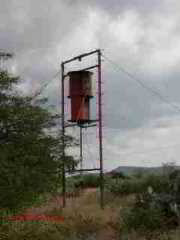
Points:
(80, 83)
(80, 93)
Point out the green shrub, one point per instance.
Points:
(125, 187)
(152, 212)
(159, 183)
(142, 219)
(91, 180)
(84, 181)
(149, 213)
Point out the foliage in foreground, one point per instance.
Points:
(30, 156)
(75, 227)
(84, 181)
(146, 215)
(85, 220)
(157, 205)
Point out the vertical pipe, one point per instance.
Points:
(81, 150)
(63, 139)
(100, 130)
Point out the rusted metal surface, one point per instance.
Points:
(80, 93)
(80, 83)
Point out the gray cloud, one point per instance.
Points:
(115, 7)
(141, 36)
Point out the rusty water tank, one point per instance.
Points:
(80, 93)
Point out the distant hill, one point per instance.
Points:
(131, 170)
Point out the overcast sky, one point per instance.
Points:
(140, 36)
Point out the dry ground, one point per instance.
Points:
(83, 211)
(82, 217)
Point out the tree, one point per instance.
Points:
(30, 155)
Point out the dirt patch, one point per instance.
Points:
(56, 203)
(106, 234)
